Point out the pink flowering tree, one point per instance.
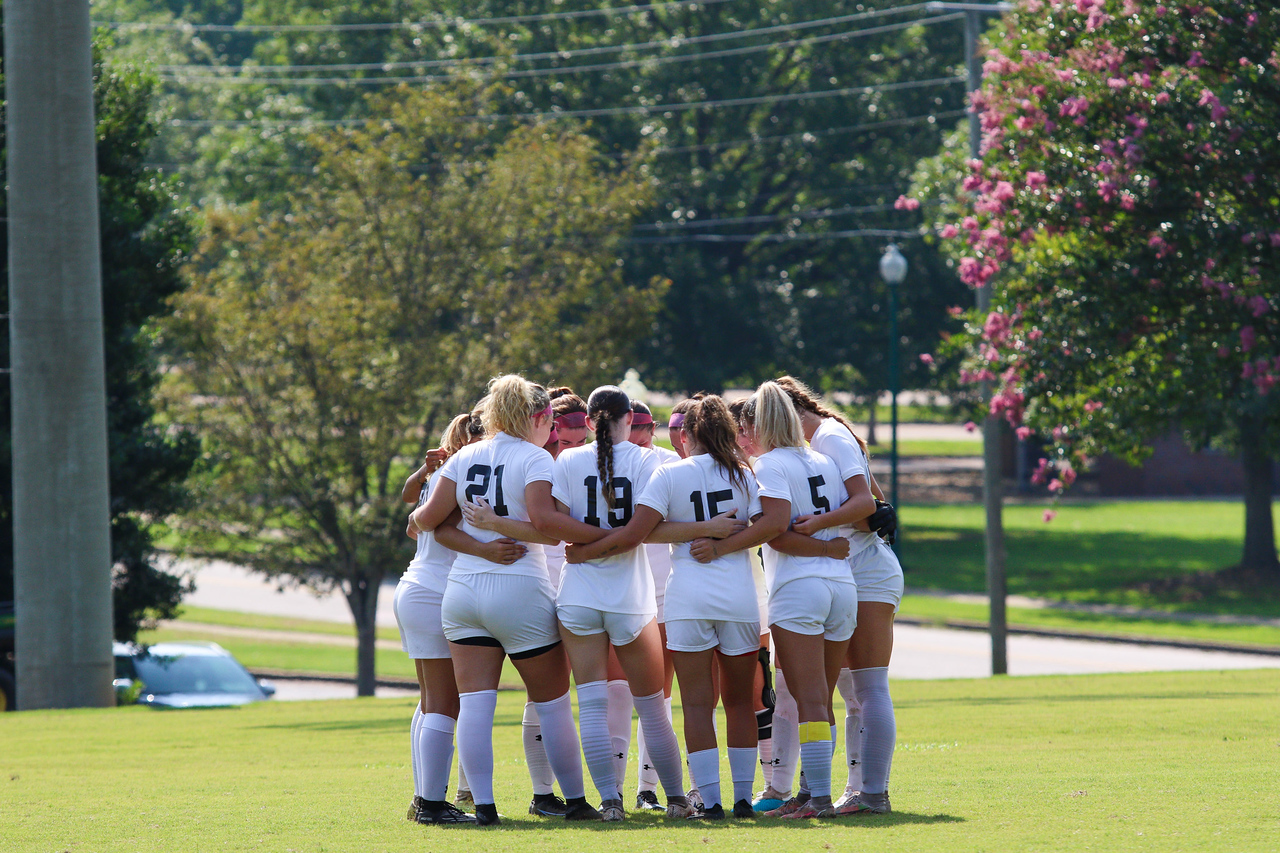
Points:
(1126, 212)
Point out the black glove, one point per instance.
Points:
(884, 521)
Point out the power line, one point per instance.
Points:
(812, 134)
(246, 79)
(436, 23)
(773, 217)
(779, 238)
(602, 111)
(674, 42)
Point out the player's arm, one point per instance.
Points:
(552, 519)
(618, 541)
(722, 526)
(481, 515)
(798, 545)
(413, 486)
(770, 523)
(439, 506)
(502, 551)
(860, 504)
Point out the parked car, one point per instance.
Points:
(184, 675)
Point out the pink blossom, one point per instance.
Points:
(1023, 432)
(970, 426)
(1258, 305)
(926, 358)
(1067, 473)
(1050, 515)
(1275, 239)
(1004, 191)
(948, 231)
(1117, 82)
(1092, 406)
(1073, 106)
(1035, 180)
(1196, 60)
(1041, 471)
(1055, 485)
(1162, 98)
(955, 310)
(1248, 337)
(904, 203)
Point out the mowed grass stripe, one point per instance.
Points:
(1126, 762)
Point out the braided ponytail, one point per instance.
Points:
(607, 406)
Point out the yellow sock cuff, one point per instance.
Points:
(810, 732)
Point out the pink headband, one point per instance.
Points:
(554, 436)
(677, 421)
(640, 419)
(545, 412)
(572, 420)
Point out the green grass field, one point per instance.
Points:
(1166, 761)
(1097, 551)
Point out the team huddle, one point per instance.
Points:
(625, 565)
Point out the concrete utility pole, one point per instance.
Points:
(62, 543)
(992, 458)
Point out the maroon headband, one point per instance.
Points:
(572, 420)
(640, 419)
(546, 411)
(677, 421)
(554, 437)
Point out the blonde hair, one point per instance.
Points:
(457, 435)
(774, 417)
(806, 400)
(511, 404)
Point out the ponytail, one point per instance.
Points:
(711, 425)
(805, 400)
(511, 404)
(606, 406)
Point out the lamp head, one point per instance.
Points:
(893, 267)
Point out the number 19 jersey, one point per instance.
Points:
(621, 583)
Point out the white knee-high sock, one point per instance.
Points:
(560, 740)
(620, 727)
(413, 748)
(660, 739)
(535, 755)
(879, 727)
(786, 737)
(435, 755)
(815, 756)
(593, 722)
(704, 772)
(742, 770)
(475, 741)
(852, 730)
(646, 774)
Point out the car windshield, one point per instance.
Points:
(193, 674)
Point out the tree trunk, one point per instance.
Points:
(871, 418)
(1259, 526)
(363, 600)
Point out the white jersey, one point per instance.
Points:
(697, 489)
(498, 470)
(833, 440)
(621, 583)
(811, 483)
(430, 565)
(659, 553)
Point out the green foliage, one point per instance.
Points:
(331, 341)
(145, 237)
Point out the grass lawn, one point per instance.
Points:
(1166, 761)
(1093, 551)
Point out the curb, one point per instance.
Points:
(1128, 639)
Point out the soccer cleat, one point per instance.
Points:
(581, 810)
(648, 801)
(487, 815)
(442, 814)
(847, 797)
(680, 807)
(769, 799)
(414, 806)
(715, 812)
(695, 796)
(795, 803)
(464, 800)
(866, 804)
(547, 805)
(811, 809)
(611, 811)
(743, 809)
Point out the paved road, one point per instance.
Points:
(918, 652)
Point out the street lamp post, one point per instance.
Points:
(893, 269)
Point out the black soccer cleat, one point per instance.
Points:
(547, 805)
(414, 806)
(487, 815)
(715, 812)
(440, 813)
(743, 809)
(580, 809)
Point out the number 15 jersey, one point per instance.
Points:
(621, 583)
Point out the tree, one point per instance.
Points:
(1124, 211)
(329, 342)
(145, 238)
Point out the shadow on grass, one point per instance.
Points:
(1078, 697)
(638, 823)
